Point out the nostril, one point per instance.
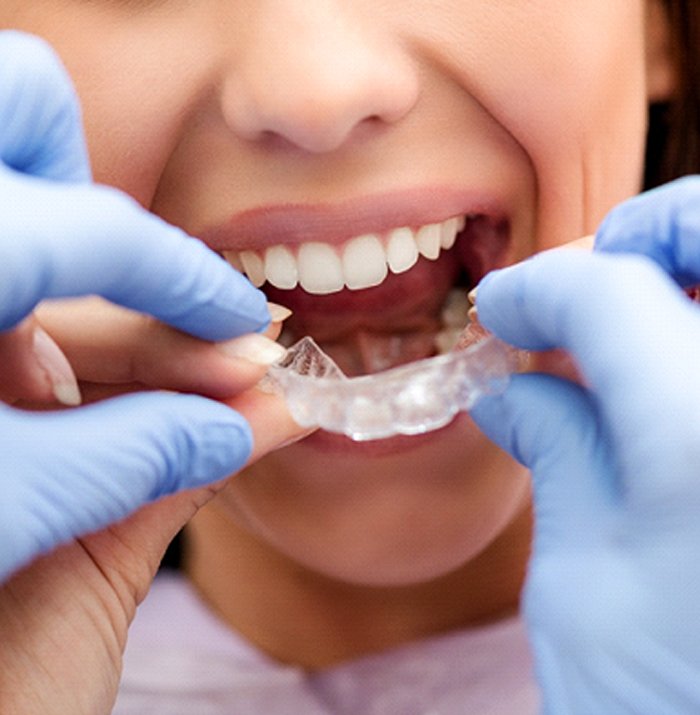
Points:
(316, 126)
(317, 91)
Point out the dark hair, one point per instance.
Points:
(673, 147)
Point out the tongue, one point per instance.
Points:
(367, 352)
(376, 328)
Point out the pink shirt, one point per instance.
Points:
(181, 660)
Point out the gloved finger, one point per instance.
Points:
(629, 328)
(107, 344)
(63, 240)
(34, 367)
(552, 427)
(662, 224)
(72, 240)
(75, 472)
(42, 129)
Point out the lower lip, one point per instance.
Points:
(330, 443)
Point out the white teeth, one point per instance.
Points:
(234, 259)
(428, 240)
(364, 262)
(281, 267)
(320, 270)
(361, 262)
(254, 267)
(449, 231)
(401, 250)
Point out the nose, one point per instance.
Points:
(311, 74)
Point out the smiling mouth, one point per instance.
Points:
(359, 263)
(378, 298)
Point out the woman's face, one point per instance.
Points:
(290, 129)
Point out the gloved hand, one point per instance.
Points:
(64, 474)
(612, 599)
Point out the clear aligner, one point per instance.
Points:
(410, 399)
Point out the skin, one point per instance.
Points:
(188, 110)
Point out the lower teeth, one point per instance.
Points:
(369, 352)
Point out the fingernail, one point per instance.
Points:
(471, 296)
(586, 243)
(63, 381)
(254, 348)
(473, 315)
(278, 312)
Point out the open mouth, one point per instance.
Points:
(379, 298)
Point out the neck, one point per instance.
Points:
(297, 616)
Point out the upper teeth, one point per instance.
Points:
(361, 262)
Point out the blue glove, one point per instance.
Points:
(612, 598)
(64, 474)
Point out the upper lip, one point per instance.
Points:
(290, 224)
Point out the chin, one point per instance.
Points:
(412, 513)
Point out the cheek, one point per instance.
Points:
(140, 78)
(580, 114)
(133, 128)
(379, 521)
(567, 82)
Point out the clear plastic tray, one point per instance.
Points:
(410, 399)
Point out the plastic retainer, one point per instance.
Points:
(410, 399)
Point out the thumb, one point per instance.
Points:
(70, 473)
(552, 427)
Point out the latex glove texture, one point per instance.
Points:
(64, 474)
(613, 592)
